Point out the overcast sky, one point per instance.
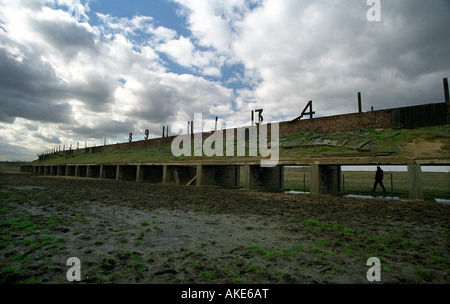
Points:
(79, 71)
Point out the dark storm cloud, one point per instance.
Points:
(415, 39)
(30, 89)
(156, 104)
(96, 92)
(69, 37)
(289, 51)
(15, 153)
(27, 75)
(110, 129)
(50, 140)
(34, 110)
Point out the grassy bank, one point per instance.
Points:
(392, 142)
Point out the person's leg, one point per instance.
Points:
(375, 185)
(382, 186)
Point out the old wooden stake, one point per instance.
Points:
(446, 93)
(359, 103)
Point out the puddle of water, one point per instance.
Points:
(25, 187)
(296, 192)
(442, 201)
(389, 198)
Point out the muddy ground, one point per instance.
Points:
(127, 232)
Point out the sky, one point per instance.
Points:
(90, 71)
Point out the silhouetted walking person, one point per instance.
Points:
(379, 179)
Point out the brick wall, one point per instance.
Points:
(339, 123)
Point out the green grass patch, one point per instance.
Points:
(269, 254)
(9, 196)
(423, 275)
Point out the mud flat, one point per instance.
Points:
(127, 232)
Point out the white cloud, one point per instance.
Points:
(327, 51)
(77, 79)
(185, 53)
(93, 81)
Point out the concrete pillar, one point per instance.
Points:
(139, 174)
(325, 179)
(264, 178)
(223, 176)
(119, 172)
(314, 186)
(415, 182)
(101, 172)
(165, 179)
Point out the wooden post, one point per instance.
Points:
(359, 103)
(415, 182)
(446, 92)
(392, 183)
(304, 181)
